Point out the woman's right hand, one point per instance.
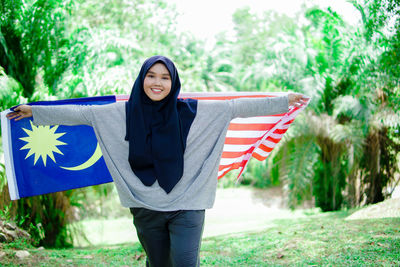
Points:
(20, 112)
(297, 100)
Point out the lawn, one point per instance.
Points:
(324, 239)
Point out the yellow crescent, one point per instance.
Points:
(92, 160)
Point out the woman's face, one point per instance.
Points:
(157, 82)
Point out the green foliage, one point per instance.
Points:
(10, 91)
(5, 213)
(48, 213)
(256, 175)
(265, 54)
(348, 89)
(329, 181)
(294, 165)
(327, 38)
(32, 40)
(344, 151)
(381, 29)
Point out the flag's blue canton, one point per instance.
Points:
(35, 178)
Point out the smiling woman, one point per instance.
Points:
(163, 153)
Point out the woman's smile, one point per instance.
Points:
(156, 90)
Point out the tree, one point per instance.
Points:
(32, 40)
(340, 68)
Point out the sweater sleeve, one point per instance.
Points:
(62, 115)
(251, 107)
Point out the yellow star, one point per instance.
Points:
(42, 142)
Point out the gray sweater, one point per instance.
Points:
(197, 187)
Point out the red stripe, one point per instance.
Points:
(258, 156)
(236, 154)
(234, 165)
(248, 141)
(280, 131)
(257, 127)
(225, 172)
(266, 148)
(232, 155)
(274, 140)
(241, 140)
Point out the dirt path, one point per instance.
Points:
(386, 209)
(245, 210)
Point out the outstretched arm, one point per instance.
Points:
(250, 107)
(54, 115)
(20, 112)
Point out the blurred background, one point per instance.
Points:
(342, 152)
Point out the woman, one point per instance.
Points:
(163, 154)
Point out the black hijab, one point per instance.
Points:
(157, 130)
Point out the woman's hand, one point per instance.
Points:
(297, 100)
(20, 112)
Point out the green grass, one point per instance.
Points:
(318, 240)
(321, 241)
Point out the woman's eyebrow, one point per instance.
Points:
(152, 72)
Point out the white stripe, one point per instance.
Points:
(236, 148)
(261, 152)
(245, 134)
(226, 161)
(240, 148)
(257, 120)
(251, 134)
(276, 136)
(8, 157)
(294, 114)
(223, 170)
(268, 143)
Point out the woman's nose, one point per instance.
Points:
(157, 81)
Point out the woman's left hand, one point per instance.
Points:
(297, 100)
(20, 112)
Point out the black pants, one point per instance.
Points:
(170, 238)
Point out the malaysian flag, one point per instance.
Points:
(249, 137)
(29, 173)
